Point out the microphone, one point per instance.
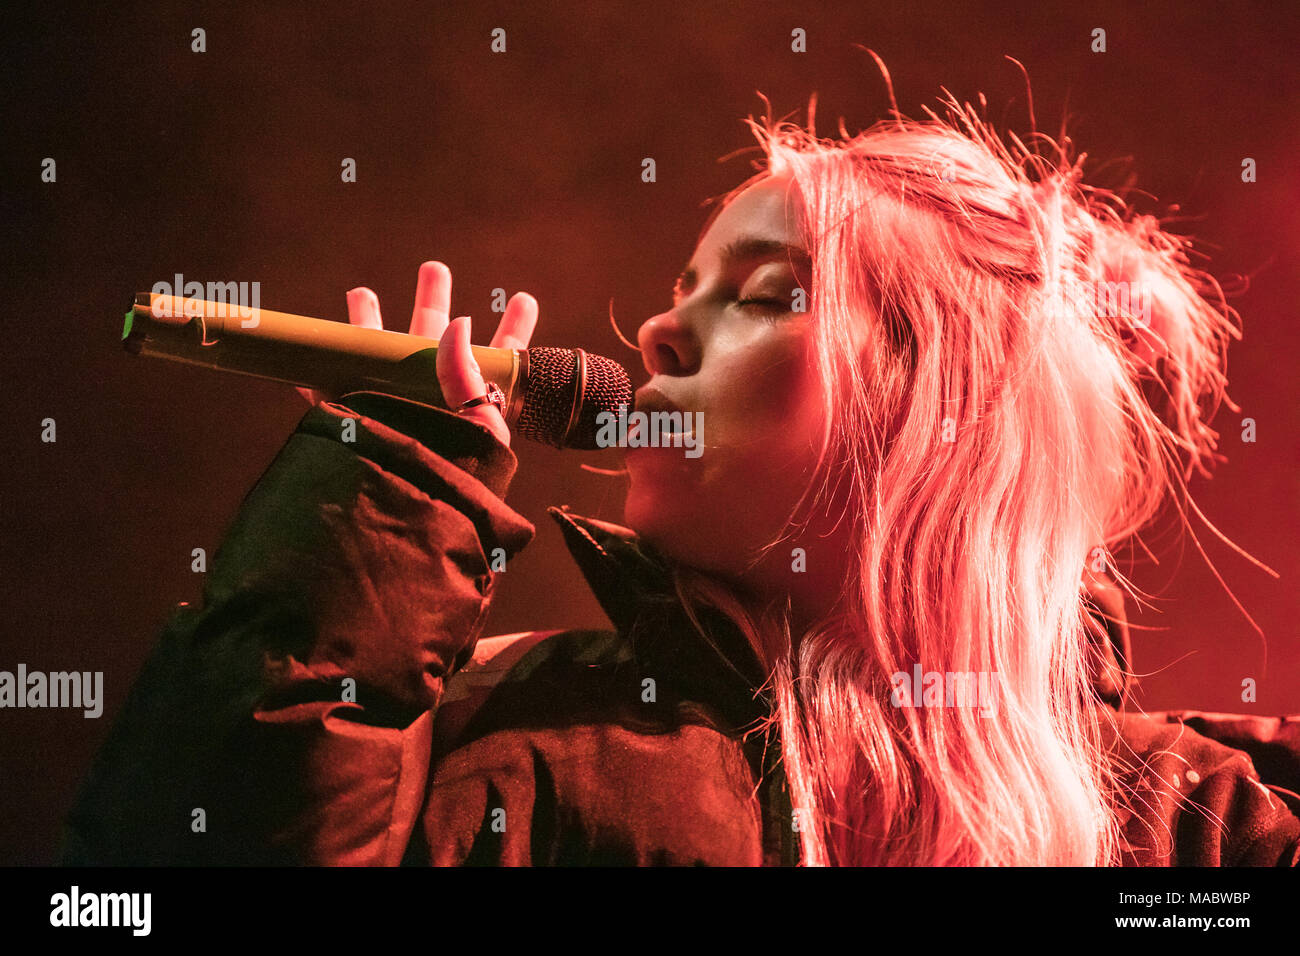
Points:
(553, 395)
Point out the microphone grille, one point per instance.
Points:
(550, 390)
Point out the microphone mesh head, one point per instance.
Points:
(549, 393)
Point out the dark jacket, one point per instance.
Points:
(331, 701)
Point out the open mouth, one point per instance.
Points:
(638, 430)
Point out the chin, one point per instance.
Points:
(652, 517)
(679, 528)
(664, 521)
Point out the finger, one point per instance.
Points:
(461, 379)
(432, 301)
(517, 324)
(363, 308)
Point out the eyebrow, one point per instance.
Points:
(749, 248)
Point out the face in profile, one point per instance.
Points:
(733, 350)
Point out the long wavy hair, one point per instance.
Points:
(998, 424)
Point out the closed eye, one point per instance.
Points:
(764, 305)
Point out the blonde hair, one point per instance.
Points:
(993, 428)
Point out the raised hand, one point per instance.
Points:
(459, 375)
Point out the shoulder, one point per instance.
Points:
(557, 679)
(517, 655)
(549, 748)
(1191, 793)
(584, 699)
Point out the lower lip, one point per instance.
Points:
(676, 448)
(665, 438)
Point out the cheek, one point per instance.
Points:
(769, 388)
(776, 405)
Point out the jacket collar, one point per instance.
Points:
(634, 587)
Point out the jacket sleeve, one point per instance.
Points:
(1189, 800)
(288, 720)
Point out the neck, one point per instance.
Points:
(809, 588)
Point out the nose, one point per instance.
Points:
(668, 345)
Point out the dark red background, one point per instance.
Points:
(522, 170)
